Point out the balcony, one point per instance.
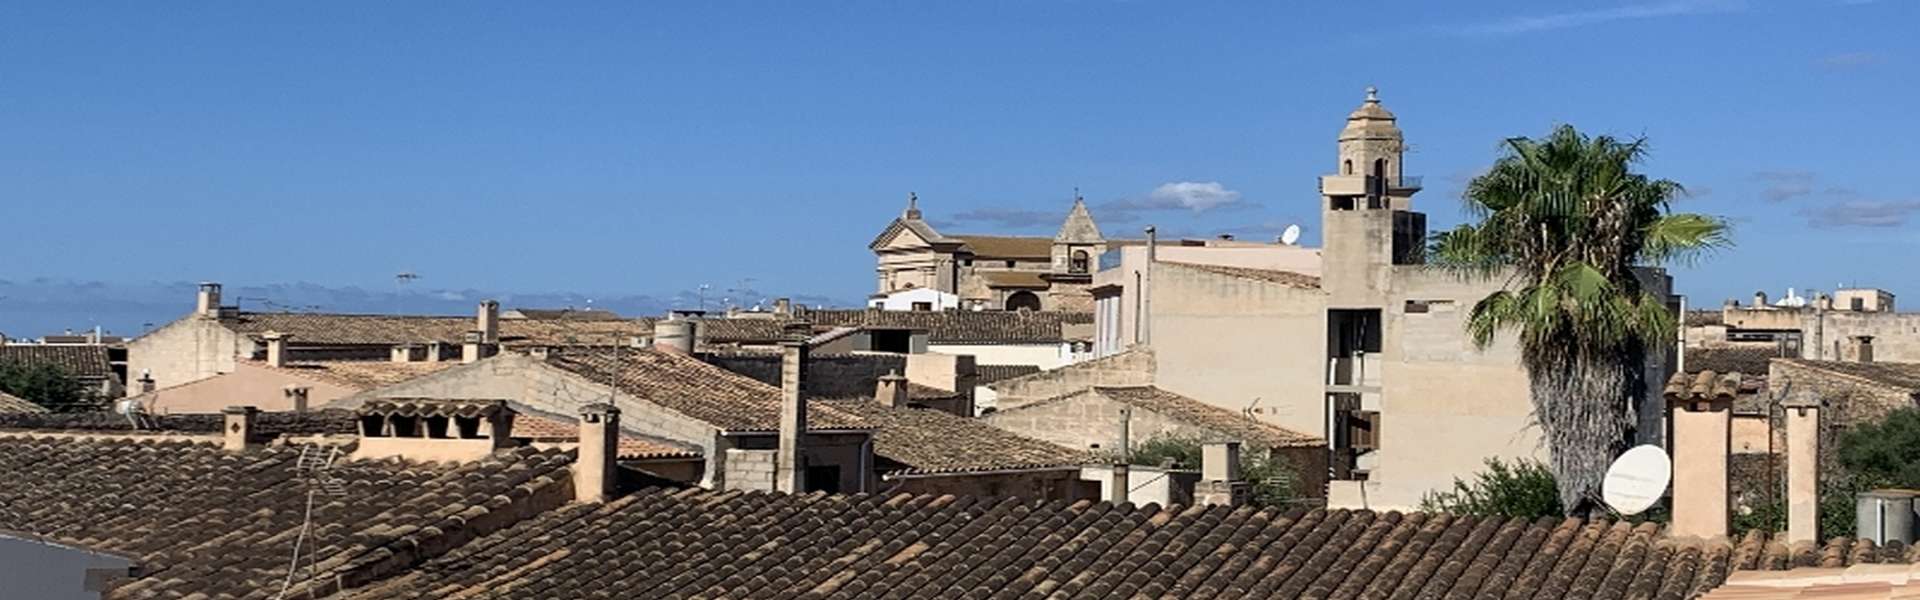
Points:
(1365, 185)
(1404, 183)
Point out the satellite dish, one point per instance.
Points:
(1637, 479)
(1291, 235)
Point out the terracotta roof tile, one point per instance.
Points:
(77, 361)
(537, 428)
(1201, 414)
(359, 374)
(722, 398)
(1003, 247)
(926, 441)
(1749, 359)
(10, 403)
(1013, 279)
(961, 326)
(752, 545)
(986, 374)
(1905, 376)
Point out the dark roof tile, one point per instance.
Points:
(926, 440)
(89, 362)
(961, 326)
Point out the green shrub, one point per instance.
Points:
(1273, 482)
(1523, 488)
(47, 386)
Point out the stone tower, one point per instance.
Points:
(1367, 221)
(1078, 246)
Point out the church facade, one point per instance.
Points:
(990, 272)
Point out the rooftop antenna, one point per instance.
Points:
(1637, 480)
(1291, 236)
(315, 468)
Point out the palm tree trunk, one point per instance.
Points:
(1584, 403)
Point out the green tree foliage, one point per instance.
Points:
(1273, 481)
(1875, 455)
(1522, 488)
(47, 386)
(1562, 221)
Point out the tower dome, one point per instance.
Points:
(1371, 121)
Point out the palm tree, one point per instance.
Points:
(1565, 220)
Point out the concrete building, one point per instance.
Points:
(987, 271)
(1830, 327)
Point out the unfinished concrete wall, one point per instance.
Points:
(1129, 368)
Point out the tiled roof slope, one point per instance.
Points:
(1002, 246)
(345, 329)
(360, 374)
(206, 523)
(1288, 278)
(10, 403)
(267, 424)
(77, 361)
(929, 441)
(756, 545)
(542, 429)
(986, 374)
(722, 398)
(1702, 318)
(961, 326)
(1749, 359)
(1905, 376)
(1209, 416)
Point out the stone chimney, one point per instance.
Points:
(1701, 412)
(208, 301)
(782, 307)
(1121, 483)
(891, 390)
(1220, 480)
(1803, 469)
(147, 384)
(476, 347)
(596, 469)
(435, 352)
(1823, 302)
(1760, 299)
(675, 335)
(1143, 331)
(401, 353)
(789, 466)
(1860, 347)
(487, 322)
(276, 348)
(297, 395)
(238, 427)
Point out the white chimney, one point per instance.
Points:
(596, 468)
(790, 467)
(276, 348)
(208, 300)
(238, 427)
(891, 390)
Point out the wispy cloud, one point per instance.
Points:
(1567, 20)
(1195, 196)
(1850, 60)
(1781, 186)
(1007, 218)
(1862, 213)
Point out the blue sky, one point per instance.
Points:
(647, 148)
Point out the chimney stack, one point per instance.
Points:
(401, 353)
(891, 390)
(1862, 348)
(488, 321)
(1122, 482)
(596, 469)
(239, 427)
(782, 307)
(1760, 299)
(436, 352)
(1220, 480)
(147, 384)
(276, 348)
(208, 301)
(297, 394)
(1144, 321)
(476, 347)
(789, 467)
(1803, 469)
(1701, 419)
(675, 335)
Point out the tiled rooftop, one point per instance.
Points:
(961, 326)
(722, 398)
(1749, 359)
(77, 361)
(360, 374)
(1211, 417)
(1282, 277)
(10, 403)
(1904, 376)
(1005, 247)
(537, 428)
(756, 545)
(203, 523)
(930, 441)
(990, 373)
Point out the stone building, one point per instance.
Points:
(1846, 325)
(989, 271)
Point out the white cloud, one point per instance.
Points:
(1533, 23)
(1863, 213)
(1191, 195)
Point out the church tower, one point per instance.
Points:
(1367, 218)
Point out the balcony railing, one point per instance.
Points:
(1362, 185)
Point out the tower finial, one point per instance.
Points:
(1076, 194)
(913, 206)
(1373, 94)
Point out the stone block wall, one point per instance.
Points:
(1134, 367)
(749, 470)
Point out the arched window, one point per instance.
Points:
(1077, 264)
(1023, 300)
(1347, 168)
(1379, 179)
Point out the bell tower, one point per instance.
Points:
(1367, 218)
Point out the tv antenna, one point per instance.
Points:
(1291, 236)
(1637, 480)
(315, 467)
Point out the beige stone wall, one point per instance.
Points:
(1045, 356)
(1240, 343)
(246, 385)
(184, 351)
(1130, 368)
(749, 470)
(1133, 260)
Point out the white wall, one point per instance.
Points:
(903, 300)
(1045, 356)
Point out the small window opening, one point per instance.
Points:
(469, 427)
(437, 427)
(405, 426)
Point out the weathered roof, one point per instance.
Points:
(562, 314)
(729, 401)
(1005, 247)
(1750, 359)
(266, 424)
(695, 543)
(206, 523)
(961, 326)
(1079, 227)
(10, 403)
(1275, 276)
(326, 329)
(1902, 376)
(932, 441)
(1702, 318)
(1013, 279)
(359, 374)
(633, 446)
(1703, 386)
(1207, 416)
(986, 374)
(86, 362)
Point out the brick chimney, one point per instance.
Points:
(1803, 469)
(476, 347)
(238, 427)
(487, 322)
(1860, 347)
(1700, 413)
(790, 467)
(207, 303)
(596, 469)
(1220, 480)
(276, 348)
(891, 390)
(675, 335)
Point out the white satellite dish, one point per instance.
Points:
(1291, 235)
(1637, 479)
